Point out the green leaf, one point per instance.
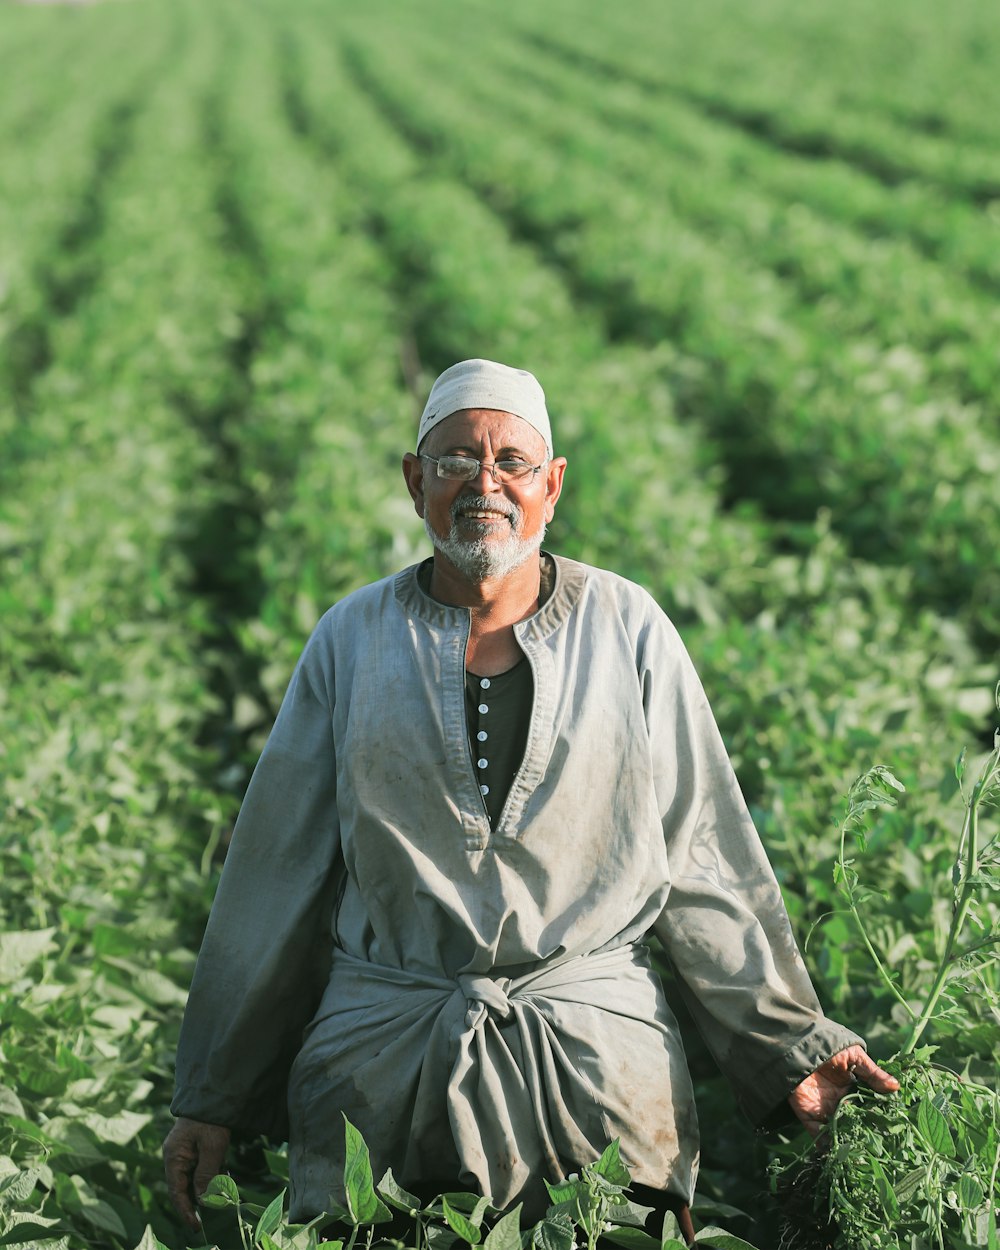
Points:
(338, 1213)
(113, 940)
(119, 1128)
(396, 1196)
(506, 1232)
(610, 1165)
(32, 1232)
(18, 1186)
(150, 1241)
(74, 1146)
(463, 1201)
(101, 1215)
(267, 1242)
(478, 1211)
(886, 1194)
(440, 1237)
(722, 1240)
(271, 1217)
(20, 948)
(567, 1191)
(44, 1082)
(970, 1193)
(671, 1230)
(910, 1184)
(277, 1161)
(933, 1127)
(555, 1232)
(706, 1208)
(631, 1238)
(10, 1104)
(460, 1224)
(221, 1191)
(363, 1203)
(630, 1215)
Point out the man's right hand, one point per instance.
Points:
(193, 1153)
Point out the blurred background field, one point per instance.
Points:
(753, 253)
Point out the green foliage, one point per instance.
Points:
(585, 1209)
(236, 243)
(919, 1168)
(915, 1168)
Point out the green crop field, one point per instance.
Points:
(752, 251)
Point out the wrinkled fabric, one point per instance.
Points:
(478, 1000)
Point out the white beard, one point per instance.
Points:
(483, 558)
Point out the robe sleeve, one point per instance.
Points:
(724, 926)
(265, 957)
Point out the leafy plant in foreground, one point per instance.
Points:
(916, 1170)
(585, 1208)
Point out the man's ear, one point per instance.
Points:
(413, 473)
(554, 471)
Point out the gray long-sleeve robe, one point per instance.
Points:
(478, 999)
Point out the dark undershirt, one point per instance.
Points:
(498, 734)
(508, 697)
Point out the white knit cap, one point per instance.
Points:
(486, 384)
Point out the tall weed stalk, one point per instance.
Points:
(916, 1170)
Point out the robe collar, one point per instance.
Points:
(568, 582)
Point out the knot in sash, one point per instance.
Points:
(485, 995)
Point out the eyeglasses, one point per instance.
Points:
(466, 469)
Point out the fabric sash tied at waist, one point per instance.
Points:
(606, 979)
(519, 1102)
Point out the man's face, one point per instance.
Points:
(484, 527)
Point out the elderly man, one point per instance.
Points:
(494, 774)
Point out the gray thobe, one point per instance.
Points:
(478, 999)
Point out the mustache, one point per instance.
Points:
(485, 503)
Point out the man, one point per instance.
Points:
(493, 775)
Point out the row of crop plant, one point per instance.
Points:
(841, 281)
(957, 234)
(896, 64)
(328, 412)
(803, 417)
(60, 139)
(749, 94)
(111, 801)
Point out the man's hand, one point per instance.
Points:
(192, 1152)
(816, 1098)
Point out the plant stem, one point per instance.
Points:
(969, 849)
(852, 907)
(244, 1229)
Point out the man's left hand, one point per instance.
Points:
(816, 1098)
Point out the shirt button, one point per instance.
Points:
(481, 763)
(482, 735)
(484, 789)
(485, 683)
(483, 709)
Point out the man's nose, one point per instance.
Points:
(485, 479)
